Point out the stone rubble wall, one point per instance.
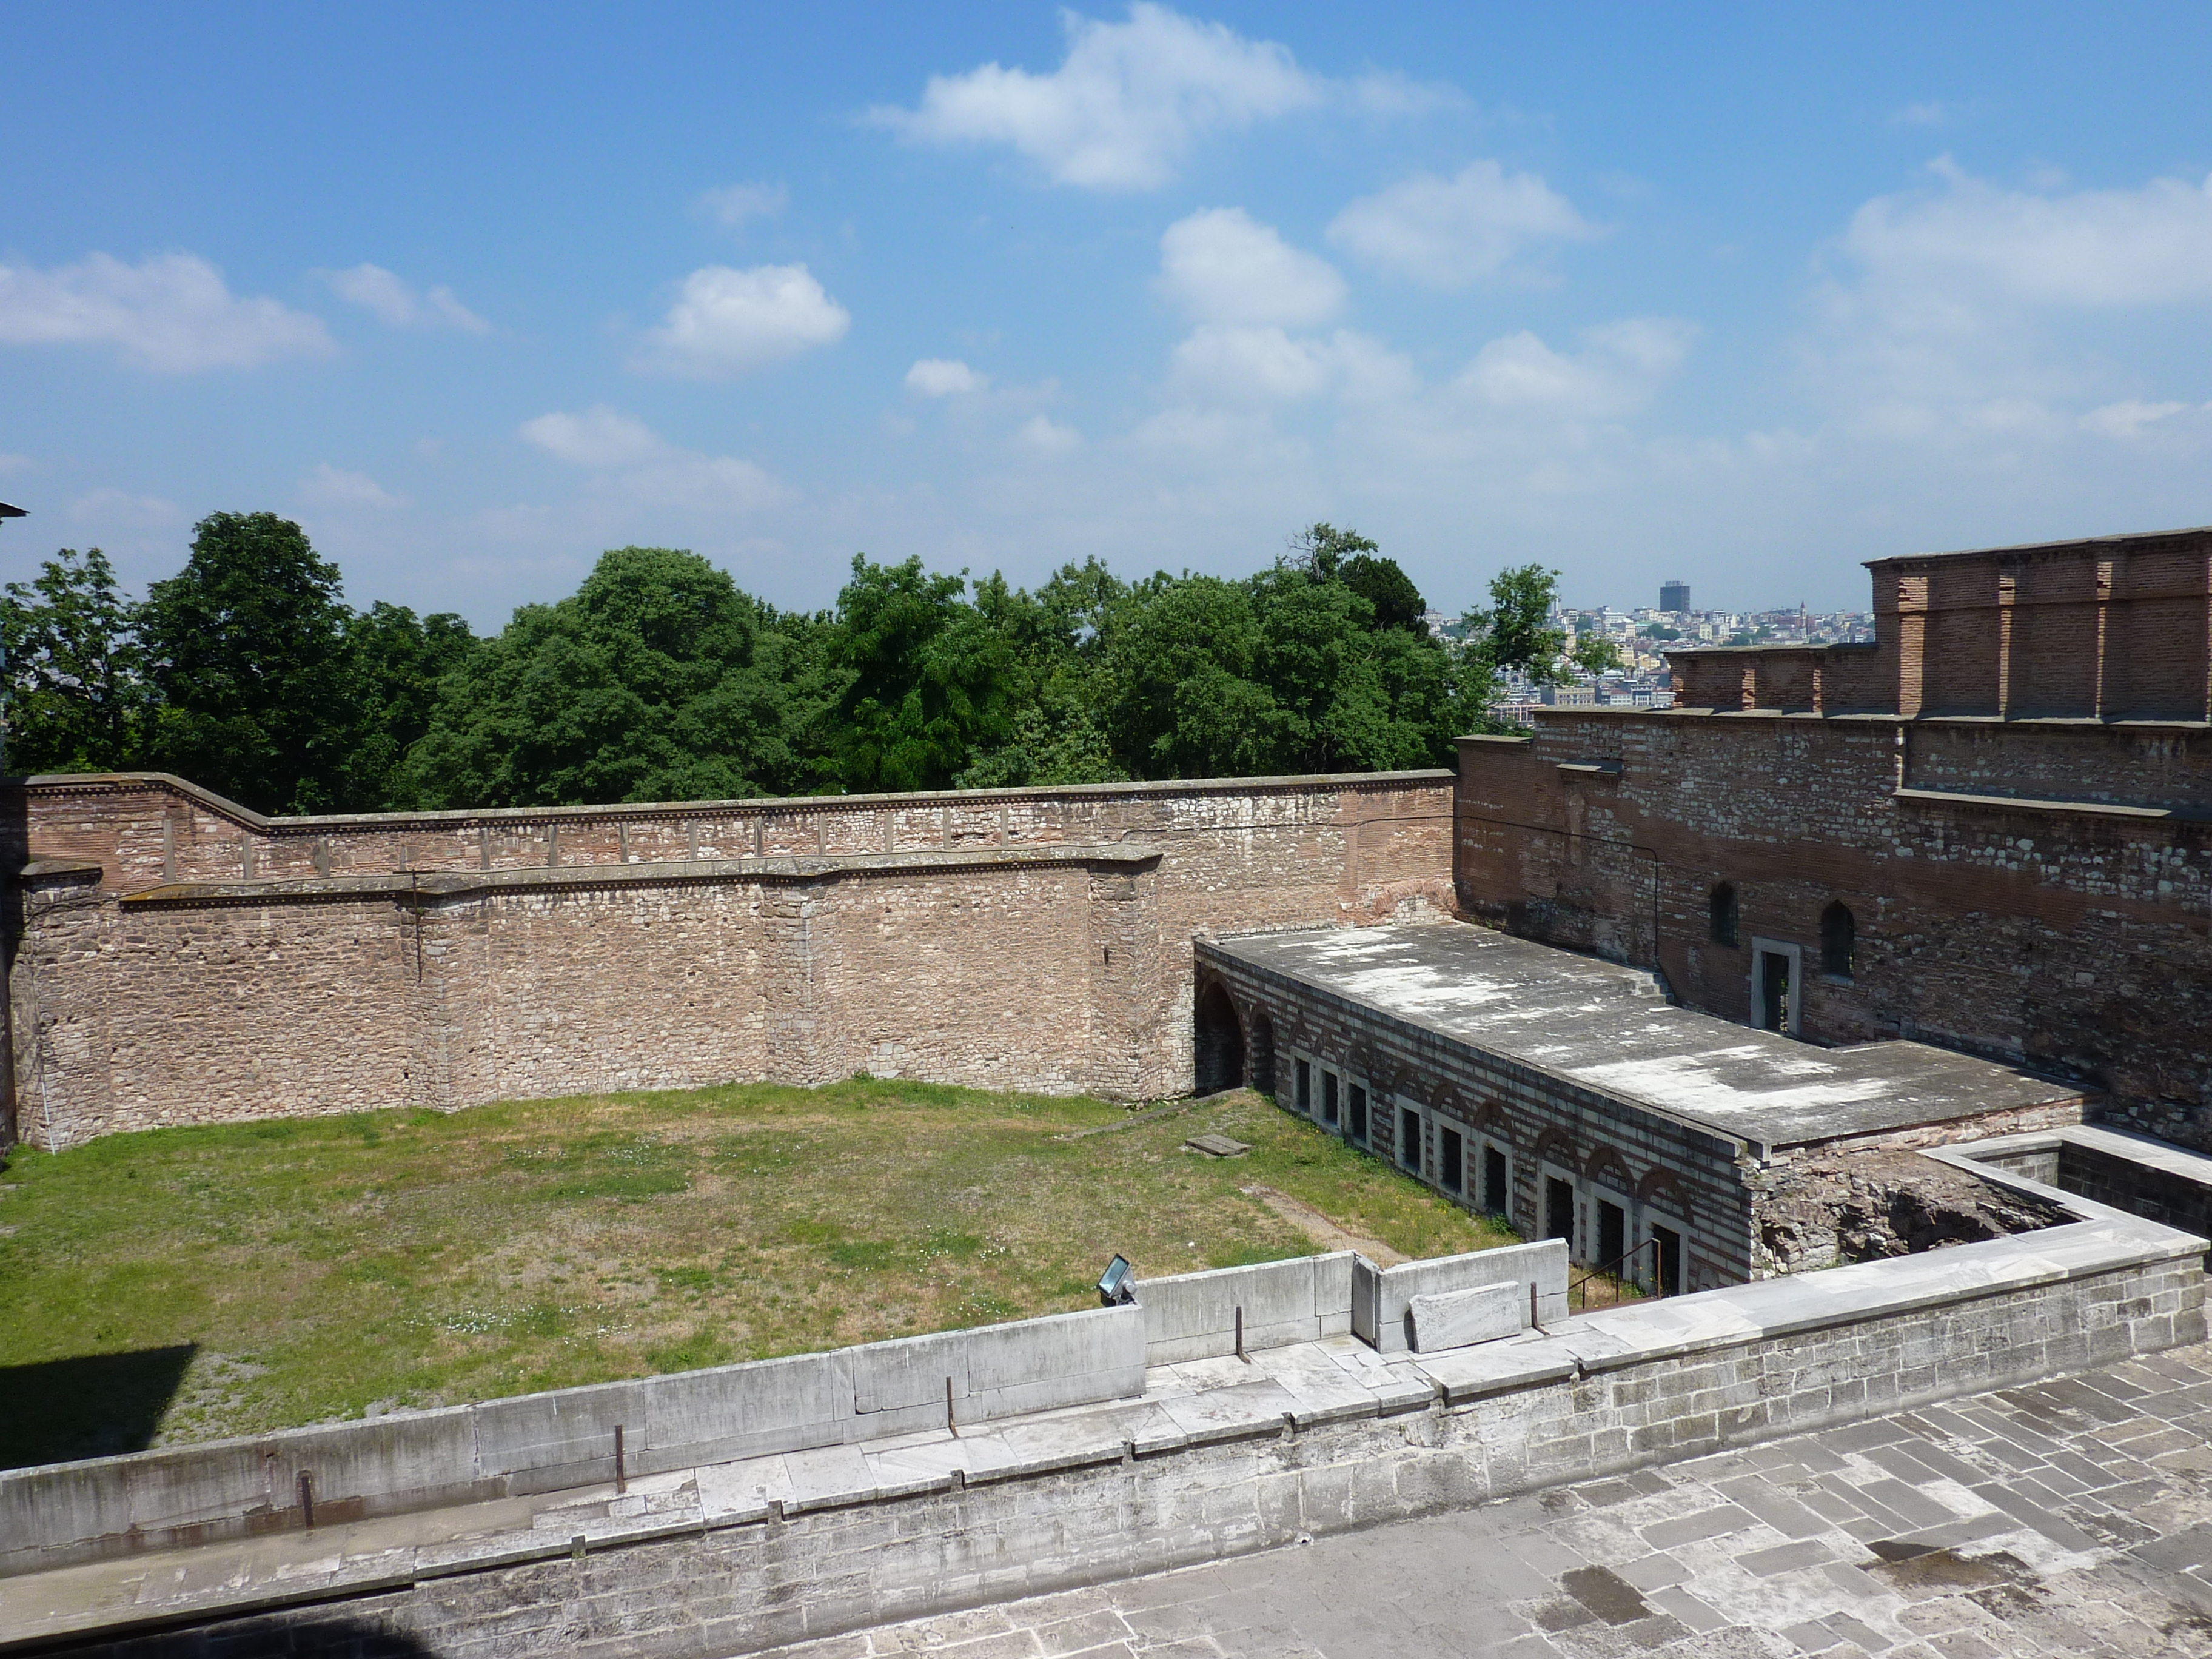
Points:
(176, 959)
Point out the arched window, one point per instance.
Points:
(1839, 938)
(1719, 915)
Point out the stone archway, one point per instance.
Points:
(1218, 1048)
(1259, 1053)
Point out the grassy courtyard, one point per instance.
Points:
(184, 1284)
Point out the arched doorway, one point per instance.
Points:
(1218, 1050)
(1260, 1058)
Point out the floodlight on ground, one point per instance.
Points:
(1114, 1284)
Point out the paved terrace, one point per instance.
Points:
(1609, 1028)
(1284, 1391)
(2069, 1517)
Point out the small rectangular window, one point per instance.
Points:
(1358, 1114)
(1560, 1209)
(1305, 1088)
(1612, 1234)
(1409, 1139)
(1328, 1097)
(1494, 1196)
(1449, 1154)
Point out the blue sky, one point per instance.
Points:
(1740, 296)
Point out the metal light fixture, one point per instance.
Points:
(1114, 1288)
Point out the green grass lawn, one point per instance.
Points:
(184, 1284)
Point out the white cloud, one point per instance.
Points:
(599, 438)
(944, 377)
(1447, 233)
(335, 487)
(17, 464)
(627, 456)
(1044, 436)
(172, 313)
(1931, 114)
(727, 322)
(2151, 245)
(395, 304)
(120, 509)
(1124, 106)
(732, 204)
(2127, 418)
(1222, 266)
(1235, 363)
(1615, 373)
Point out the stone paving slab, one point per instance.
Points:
(2071, 1517)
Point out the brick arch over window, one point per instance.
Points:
(1446, 1098)
(1607, 1164)
(1404, 1084)
(1490, 1119)
(1662, 1186)
(1557, 1145)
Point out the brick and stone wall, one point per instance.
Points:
(176, 959)
(2036, 895)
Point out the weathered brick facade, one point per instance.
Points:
(176, 959)
(2010, 793)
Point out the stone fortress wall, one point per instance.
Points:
(2010, 793)
(174, 958)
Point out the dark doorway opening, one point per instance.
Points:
(1612, 1233)
(1839, 936)
(1494, 1196)
(1669, 1252)
(1773, 991)
(1409, 1139)
(1262, 1059)
(1219, 1048)
(1305, 1087)
(1559, 1210)
(1449, 1156)
(1328, 1097)
(1358, 1125)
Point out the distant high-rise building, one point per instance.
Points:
(1674, 596)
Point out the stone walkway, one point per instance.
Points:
(2071, 1517)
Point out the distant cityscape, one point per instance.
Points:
(1639, 636)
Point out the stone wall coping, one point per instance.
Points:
(89, 783)
(1870, 716)
(2160, 1155)
(1183, 1409)
(435, 886)
(2031, 804)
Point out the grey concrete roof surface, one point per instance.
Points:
(1610, 1028)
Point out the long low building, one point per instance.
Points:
(1568, 1094)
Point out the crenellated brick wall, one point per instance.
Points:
(2030, 875)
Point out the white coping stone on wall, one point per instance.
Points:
(1381, 1297)
(1194, 1315)
(1459, 1319)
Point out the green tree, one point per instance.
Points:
(78, 696)
(656, 680)
(1516, 629)
(247, 647)
(932, 679)
(395, 661)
